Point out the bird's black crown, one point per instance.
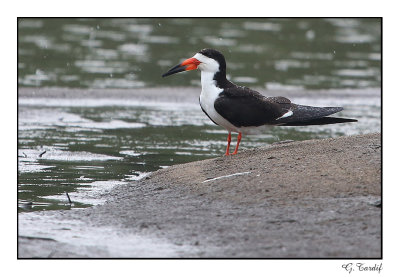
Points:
(213, 54)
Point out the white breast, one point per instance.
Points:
(209, 93)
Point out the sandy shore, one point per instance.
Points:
(317, 198)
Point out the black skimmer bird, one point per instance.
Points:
(243, 110)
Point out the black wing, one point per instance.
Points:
(244, 107)
(307, 115)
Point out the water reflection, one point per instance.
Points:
(129, 53)
(77, 145)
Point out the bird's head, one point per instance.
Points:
(207, 59)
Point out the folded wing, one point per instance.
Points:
(244, 107)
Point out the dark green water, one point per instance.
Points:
(96, 143)
(127, 53)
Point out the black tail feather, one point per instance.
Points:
(320, 121)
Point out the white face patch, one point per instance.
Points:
(207, 64)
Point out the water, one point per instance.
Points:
(269, 53)
(94, 112)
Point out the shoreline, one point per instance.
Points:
(306, 199)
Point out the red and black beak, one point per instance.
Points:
(186, 65)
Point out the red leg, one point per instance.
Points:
(229, 144)
(239, 138)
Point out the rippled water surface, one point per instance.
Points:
(128, 53)
(94, 112)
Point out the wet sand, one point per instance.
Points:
(316, 198)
